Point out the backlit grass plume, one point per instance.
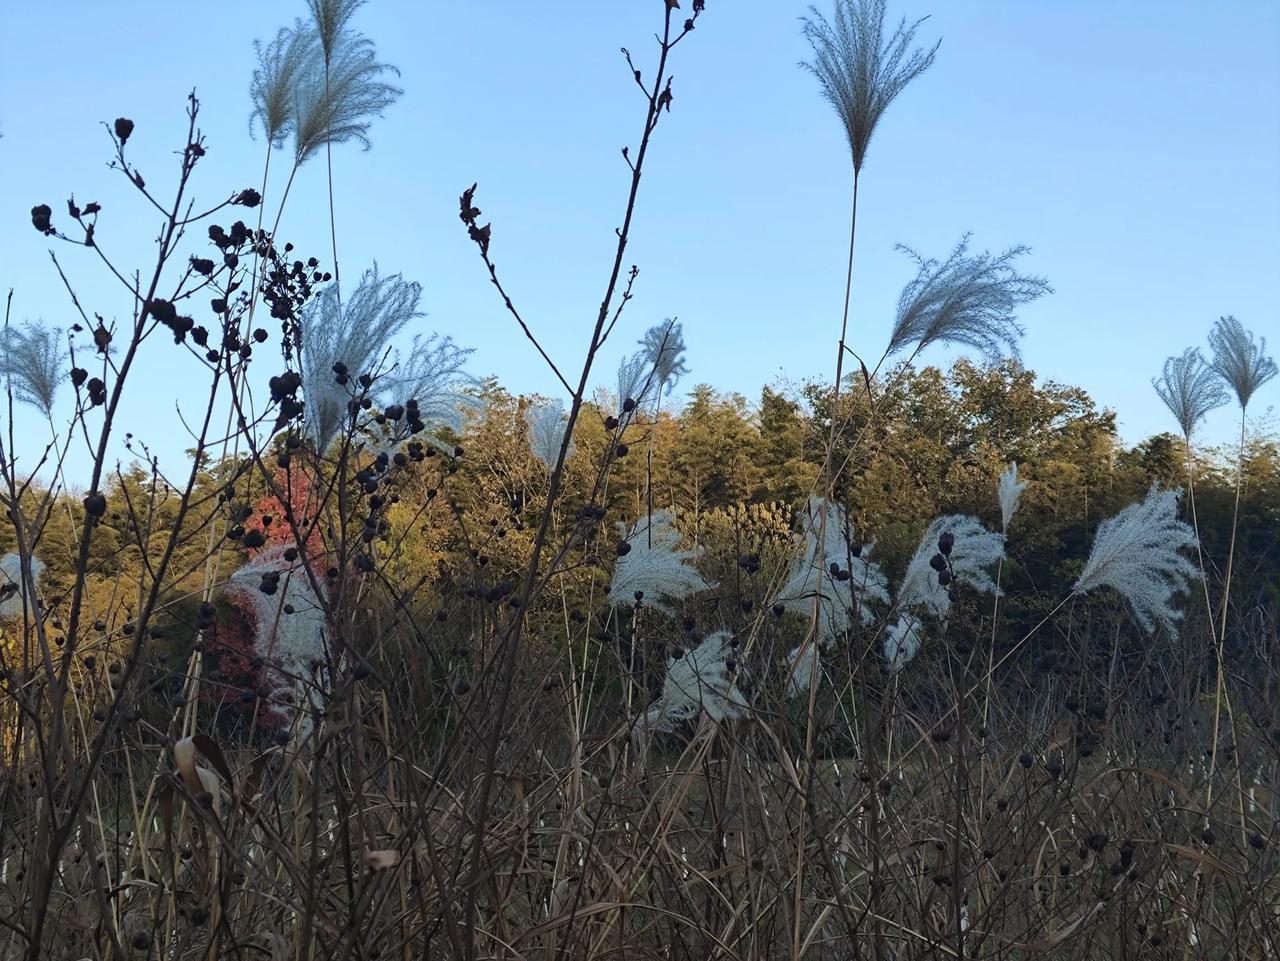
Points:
(1190, 388)
(33, 360)
(651, 568)
(956, 550)
(282, 63)
(288, 625)
(965, 299)
(842, 575)
(633, 373)
(1009, 491)
(862, 70)
(342, 106)
(546, 421)
(342, 341)
(643, 377)
(663, 347)
(330, 18)
(431, 373)
(1241, 362)
(1136, 553)
(972, 550)
(13, 594)
(699, 681)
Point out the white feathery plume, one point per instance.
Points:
(655, 368)
(33, 359)
(274, 85)
(650, 564)
(547, 421)
(902, 642)
(1010, 492)
(975, 549)
(1243, 364)
(358, 334)
(330, 18)
(965, 300)
(855, 581)
(700, 681)
(664, 350)
(632, 374)
(1136, 554)
(341, 107)
(860, 70)
(431, 373)
(13, 593)
(292, 644)
(1190, 388)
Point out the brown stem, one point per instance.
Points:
(829, 484)
(509, 642)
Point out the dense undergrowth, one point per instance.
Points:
(908, 664)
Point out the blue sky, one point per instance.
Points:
(1135, 147)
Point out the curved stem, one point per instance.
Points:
(508, 641)
(328, 154)
(844, 332)
(1221, 638)
(283, 197)
(1195, 526)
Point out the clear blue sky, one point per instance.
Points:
(1134, 146)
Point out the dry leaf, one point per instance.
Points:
(1203, 858)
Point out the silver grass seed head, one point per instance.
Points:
(840, 578)
(359, 333)
(651, 568)
(860, 70)
(633, 373)
(546, 422)
(1010, 492)
(664, 350)
(967, 300)
(342, 106)
(1239, 361)
(296, 637)
(432, 373)
(973, 549)
(282, 62)
(1190, 388)
(1137, 554)
(330, 19)
(700, 681)
(289, 628)
(356, 334)
(643, 377)
(33, 361)
(13, 591)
